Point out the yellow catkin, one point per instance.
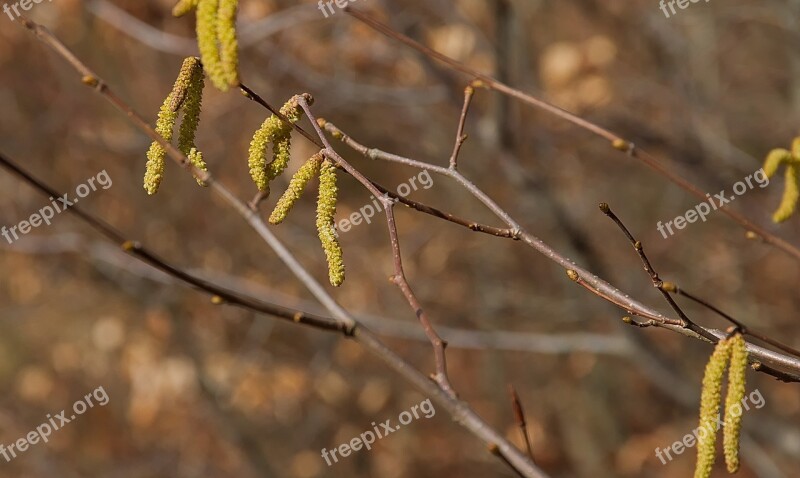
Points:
(228, 43)
(733, 402)
(207, 42)
(183, 7)
(775, 159)
(196, 158)
(192, 105)
(791, 193)
(709, 409)
(156, 155)
(257, 158)
(326, 212)
(796, 148)
(306, 173)
(281, 154)
(274, 131)
(186, 95)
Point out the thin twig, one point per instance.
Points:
(219, 295)
(519, 415)
(744, 329)
(575, 277)
(781, 375)
(615, 140)
(469, 92)
(399, 277)
(686, 322)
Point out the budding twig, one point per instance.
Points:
(685, 321)
(519, 415)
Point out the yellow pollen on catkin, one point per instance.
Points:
(186, 96)
(156, 155)
(183, 7)
(276, 132)
(208, 42)
(791, 194)
(196, 158)
(733, 402)
(192, 105)
(306, 173)
(228, 42)
(775, 159)
(217, 40)
(709, 409)
(326, 212)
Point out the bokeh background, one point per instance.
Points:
(198, 390)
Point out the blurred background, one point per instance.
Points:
(197, 390)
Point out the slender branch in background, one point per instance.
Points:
(616, 141)
(686, 322)
(235, 291)
(218, 294)
(460, 411)
(252, 33)
(519, 415)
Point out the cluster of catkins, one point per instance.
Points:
(731, 351)
(216, 38)
(791, 192)
(277, 132)
(219, 51)
(186, 96)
